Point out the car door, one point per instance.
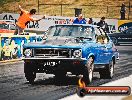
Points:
(105, 48)
(109, 50)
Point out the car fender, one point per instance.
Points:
(91, 54)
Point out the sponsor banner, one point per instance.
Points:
(36, 25)
(43, 24)
(124, 24)
(11, 47)
(112, 23)
(104, 90)
(83, 90)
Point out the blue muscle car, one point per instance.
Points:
(79, 49)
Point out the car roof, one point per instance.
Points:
(76, 25)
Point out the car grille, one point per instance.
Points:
(52, 53)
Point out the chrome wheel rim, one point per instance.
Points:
(111, 70)
(90, 69)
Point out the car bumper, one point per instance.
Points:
(56, 59)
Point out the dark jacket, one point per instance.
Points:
(101, 23)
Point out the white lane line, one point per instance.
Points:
(6, 62)
(12, 60)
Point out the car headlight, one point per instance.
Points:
(77, 53)
(27, 52)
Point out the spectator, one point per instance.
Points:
(106, 28)
(103, 25)
(90, 21)
(123, 11)
(24, 19)
(95, 23)
(79, 20)
(102, 22)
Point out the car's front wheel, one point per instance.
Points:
(108, 71)
(29, 72)
(88, 71)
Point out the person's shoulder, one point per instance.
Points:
(98, 24)
(76, 19)
(26, 12)
(83, 19)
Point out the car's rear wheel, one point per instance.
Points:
(108, 71)
(88, 71)
(29, 72)
(115, 41)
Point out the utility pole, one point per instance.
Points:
(38, 6)
(129, 7)
(61, 9)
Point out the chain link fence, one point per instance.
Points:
(95, 11)
(68, 10)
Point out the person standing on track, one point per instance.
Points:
(79, 20)
(103, 25)
(90, 21)
(123, 11)
(24, 19)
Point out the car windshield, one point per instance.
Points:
(71, 30)
(4, 26)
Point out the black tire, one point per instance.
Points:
(108, 71)
(29, 72)
(88, 71)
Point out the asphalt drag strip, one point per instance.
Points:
(13, 85)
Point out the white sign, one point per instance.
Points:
(43, 24)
